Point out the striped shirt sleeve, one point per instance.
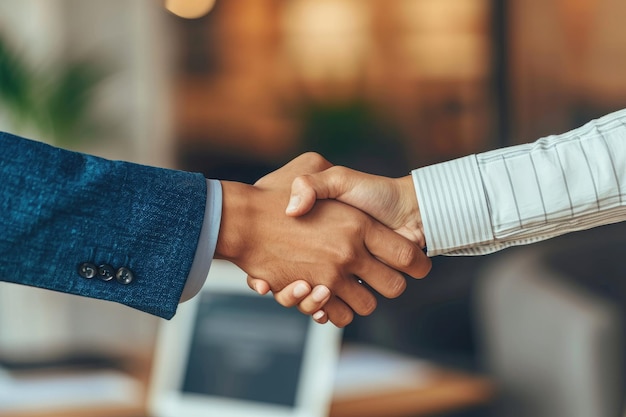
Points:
(523, 194)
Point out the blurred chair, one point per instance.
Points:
(554, 344)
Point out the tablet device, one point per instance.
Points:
(229, 352)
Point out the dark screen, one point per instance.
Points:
(248, 348)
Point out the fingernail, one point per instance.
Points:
(294, 202)
(300, 290)
(318, 315)
(256, 287)
(320, 293)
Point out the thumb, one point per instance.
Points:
(304, 191)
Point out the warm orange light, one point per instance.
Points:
(189, 9)
(327, 39)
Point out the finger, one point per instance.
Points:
(381, 277)
(396, 251)
(338, 312)
(293, 293)
(320, 316)
(358, 297)
(258, 285)
(315, 300)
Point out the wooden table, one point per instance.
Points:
(447, 390)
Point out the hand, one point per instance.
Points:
(331, 245)
(391, 201)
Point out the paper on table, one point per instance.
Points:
(363, 370)
(98, 388)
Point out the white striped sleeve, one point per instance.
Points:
(526, 193)
(453, 206)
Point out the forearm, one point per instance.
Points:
(62, 209)
(526, 193)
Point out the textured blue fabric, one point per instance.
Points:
(62, 208)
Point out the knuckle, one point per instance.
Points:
(356, 225)
(284, 303)
(315, 160)
(306, 309)
(284, 299)
(342, 317)
(369, 307)
(338, 171)
(309, 306)
(396, 287)
(347, 256)
(302, 181)
(337, 174)
(406, 256)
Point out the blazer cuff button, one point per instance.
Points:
(87, 270)
(106, 272)
(124, 276)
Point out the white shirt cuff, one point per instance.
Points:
(207, 241)
(453, 206)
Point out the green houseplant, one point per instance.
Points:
(53, 102)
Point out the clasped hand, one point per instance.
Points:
(314, 255)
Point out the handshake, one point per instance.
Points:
(329, 256)
(325, 257)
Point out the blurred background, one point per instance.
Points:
(235, 89)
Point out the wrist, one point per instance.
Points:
(411, 211)
(236, 211)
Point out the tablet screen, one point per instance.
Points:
(232, 353)
(247, 348)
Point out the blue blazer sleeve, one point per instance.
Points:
(63, 209)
